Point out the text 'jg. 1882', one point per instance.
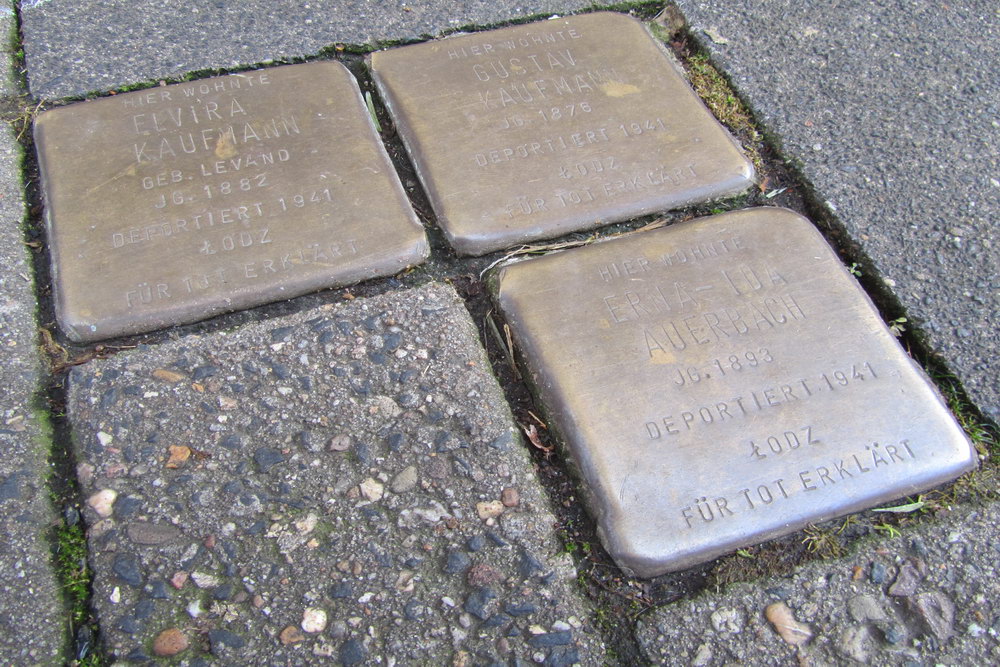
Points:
(169, 205)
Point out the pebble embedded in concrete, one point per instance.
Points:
(919, 609)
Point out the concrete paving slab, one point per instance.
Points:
(929, 596)
(343, 483)
(8, 35)
(31, 604)
(895, 118)
(76, 46)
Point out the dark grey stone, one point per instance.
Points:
(352, 652)
(313, 527)
(457, 562)
(128, 625)
(520, 609)
(267, 458)
(126, 567)
(10, 488)
(341, 590)
(547, 639)
(563, 656)
(528, 565)
(892, 112)
(76, 46)
(225, 638)
(497, 620)
(158, 590)
(30, 599)
(126, 507)
(478, 603)
(223, 592)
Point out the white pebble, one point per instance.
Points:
(313, 620)
(372, 489)
(103, 502)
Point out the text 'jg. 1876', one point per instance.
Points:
(535, 131)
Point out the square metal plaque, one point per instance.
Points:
(539, 130)
(722, 382)
(173, 204)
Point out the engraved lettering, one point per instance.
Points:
(220, 140)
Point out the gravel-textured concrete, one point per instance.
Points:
(77, 46)
(343, 482)
(31, 605)
(8, 35)
(930, 596)
(894, 115)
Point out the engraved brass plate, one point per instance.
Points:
(173, 204)
(539, 130)
(722, 382)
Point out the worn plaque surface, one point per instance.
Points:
(538, 130)
(722, 382)
(171, 204)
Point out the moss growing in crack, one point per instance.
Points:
(717, 94)
(642, 9)
(982, 434)
(72, 569)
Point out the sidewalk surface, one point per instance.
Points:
(346, 482)
(894, 118)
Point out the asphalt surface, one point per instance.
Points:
(893, 117)
(74, 47)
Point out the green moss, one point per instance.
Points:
(72, 570)
(715, 91)
(641, 9)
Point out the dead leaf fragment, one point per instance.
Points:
(532, 433)
(784, 623)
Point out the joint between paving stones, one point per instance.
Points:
(68, 538)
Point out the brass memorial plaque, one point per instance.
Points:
(539, 130)
(722, 382)
(173, 204)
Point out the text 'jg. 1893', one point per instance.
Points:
(722, 382)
